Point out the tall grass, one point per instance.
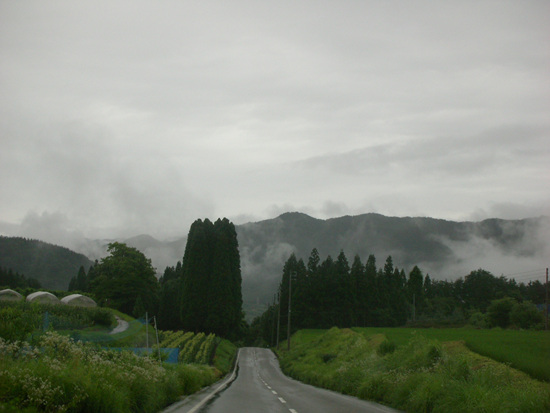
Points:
(62, 375)
(416, 375)
(224, 356)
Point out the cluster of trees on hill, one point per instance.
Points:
(52, 265)
(335, 293)
(11, 279)
(202, 293)
(124, 280)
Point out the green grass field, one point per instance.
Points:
(528, 351)
(423, 370)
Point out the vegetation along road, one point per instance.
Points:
(260, 386)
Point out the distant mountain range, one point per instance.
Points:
(444, 249)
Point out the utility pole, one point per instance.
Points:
(414, 307)
(289, 301)
(278, 316)
(158, 344)
(147, 329)
(272, 342)
(546, 301)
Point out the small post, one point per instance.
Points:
(157, 331)
(46, 321)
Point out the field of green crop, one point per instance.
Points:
(416, 372)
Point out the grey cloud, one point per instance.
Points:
(144, 115)
(452, 155)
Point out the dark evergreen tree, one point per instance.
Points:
(372, 297)
(359, 291)
(11, 279)
(211, 282)
(197, 271)
(415, 291)
(81, 281)
(170, 299)
(313, 263)
(344, 293)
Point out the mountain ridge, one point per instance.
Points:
(445, 249)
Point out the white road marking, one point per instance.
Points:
(273, 391)
(282, 400)
(292, 411)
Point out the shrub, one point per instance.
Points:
(101, 316)
(478, 319)
(526, 315)
(498, 312)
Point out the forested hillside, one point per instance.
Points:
(443, 249)
(342, 293)
(51, 265)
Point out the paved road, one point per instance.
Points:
(122, 325)
(261, 387)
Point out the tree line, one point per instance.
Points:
(334, 293)
(12, 279)
(201, 293)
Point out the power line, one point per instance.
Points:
(527, 272)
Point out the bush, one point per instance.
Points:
(526, 315)
(101, 316)
(478, 319)
(498, 312)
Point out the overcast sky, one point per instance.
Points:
(126, 117)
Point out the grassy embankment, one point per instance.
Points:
(422, 371)
(528, 351)
(57, 373)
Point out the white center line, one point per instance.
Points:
(292, 411)
(273, 391)
(282, 400)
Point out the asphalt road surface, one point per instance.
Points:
(122, 325)
(259, 386)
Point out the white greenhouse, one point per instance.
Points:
(10, 295)
(42, 297)
(78, 300)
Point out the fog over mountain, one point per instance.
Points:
(444, 249)
(518, 249)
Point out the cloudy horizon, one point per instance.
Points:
(122, 118)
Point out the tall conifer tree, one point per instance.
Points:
(211, 287)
